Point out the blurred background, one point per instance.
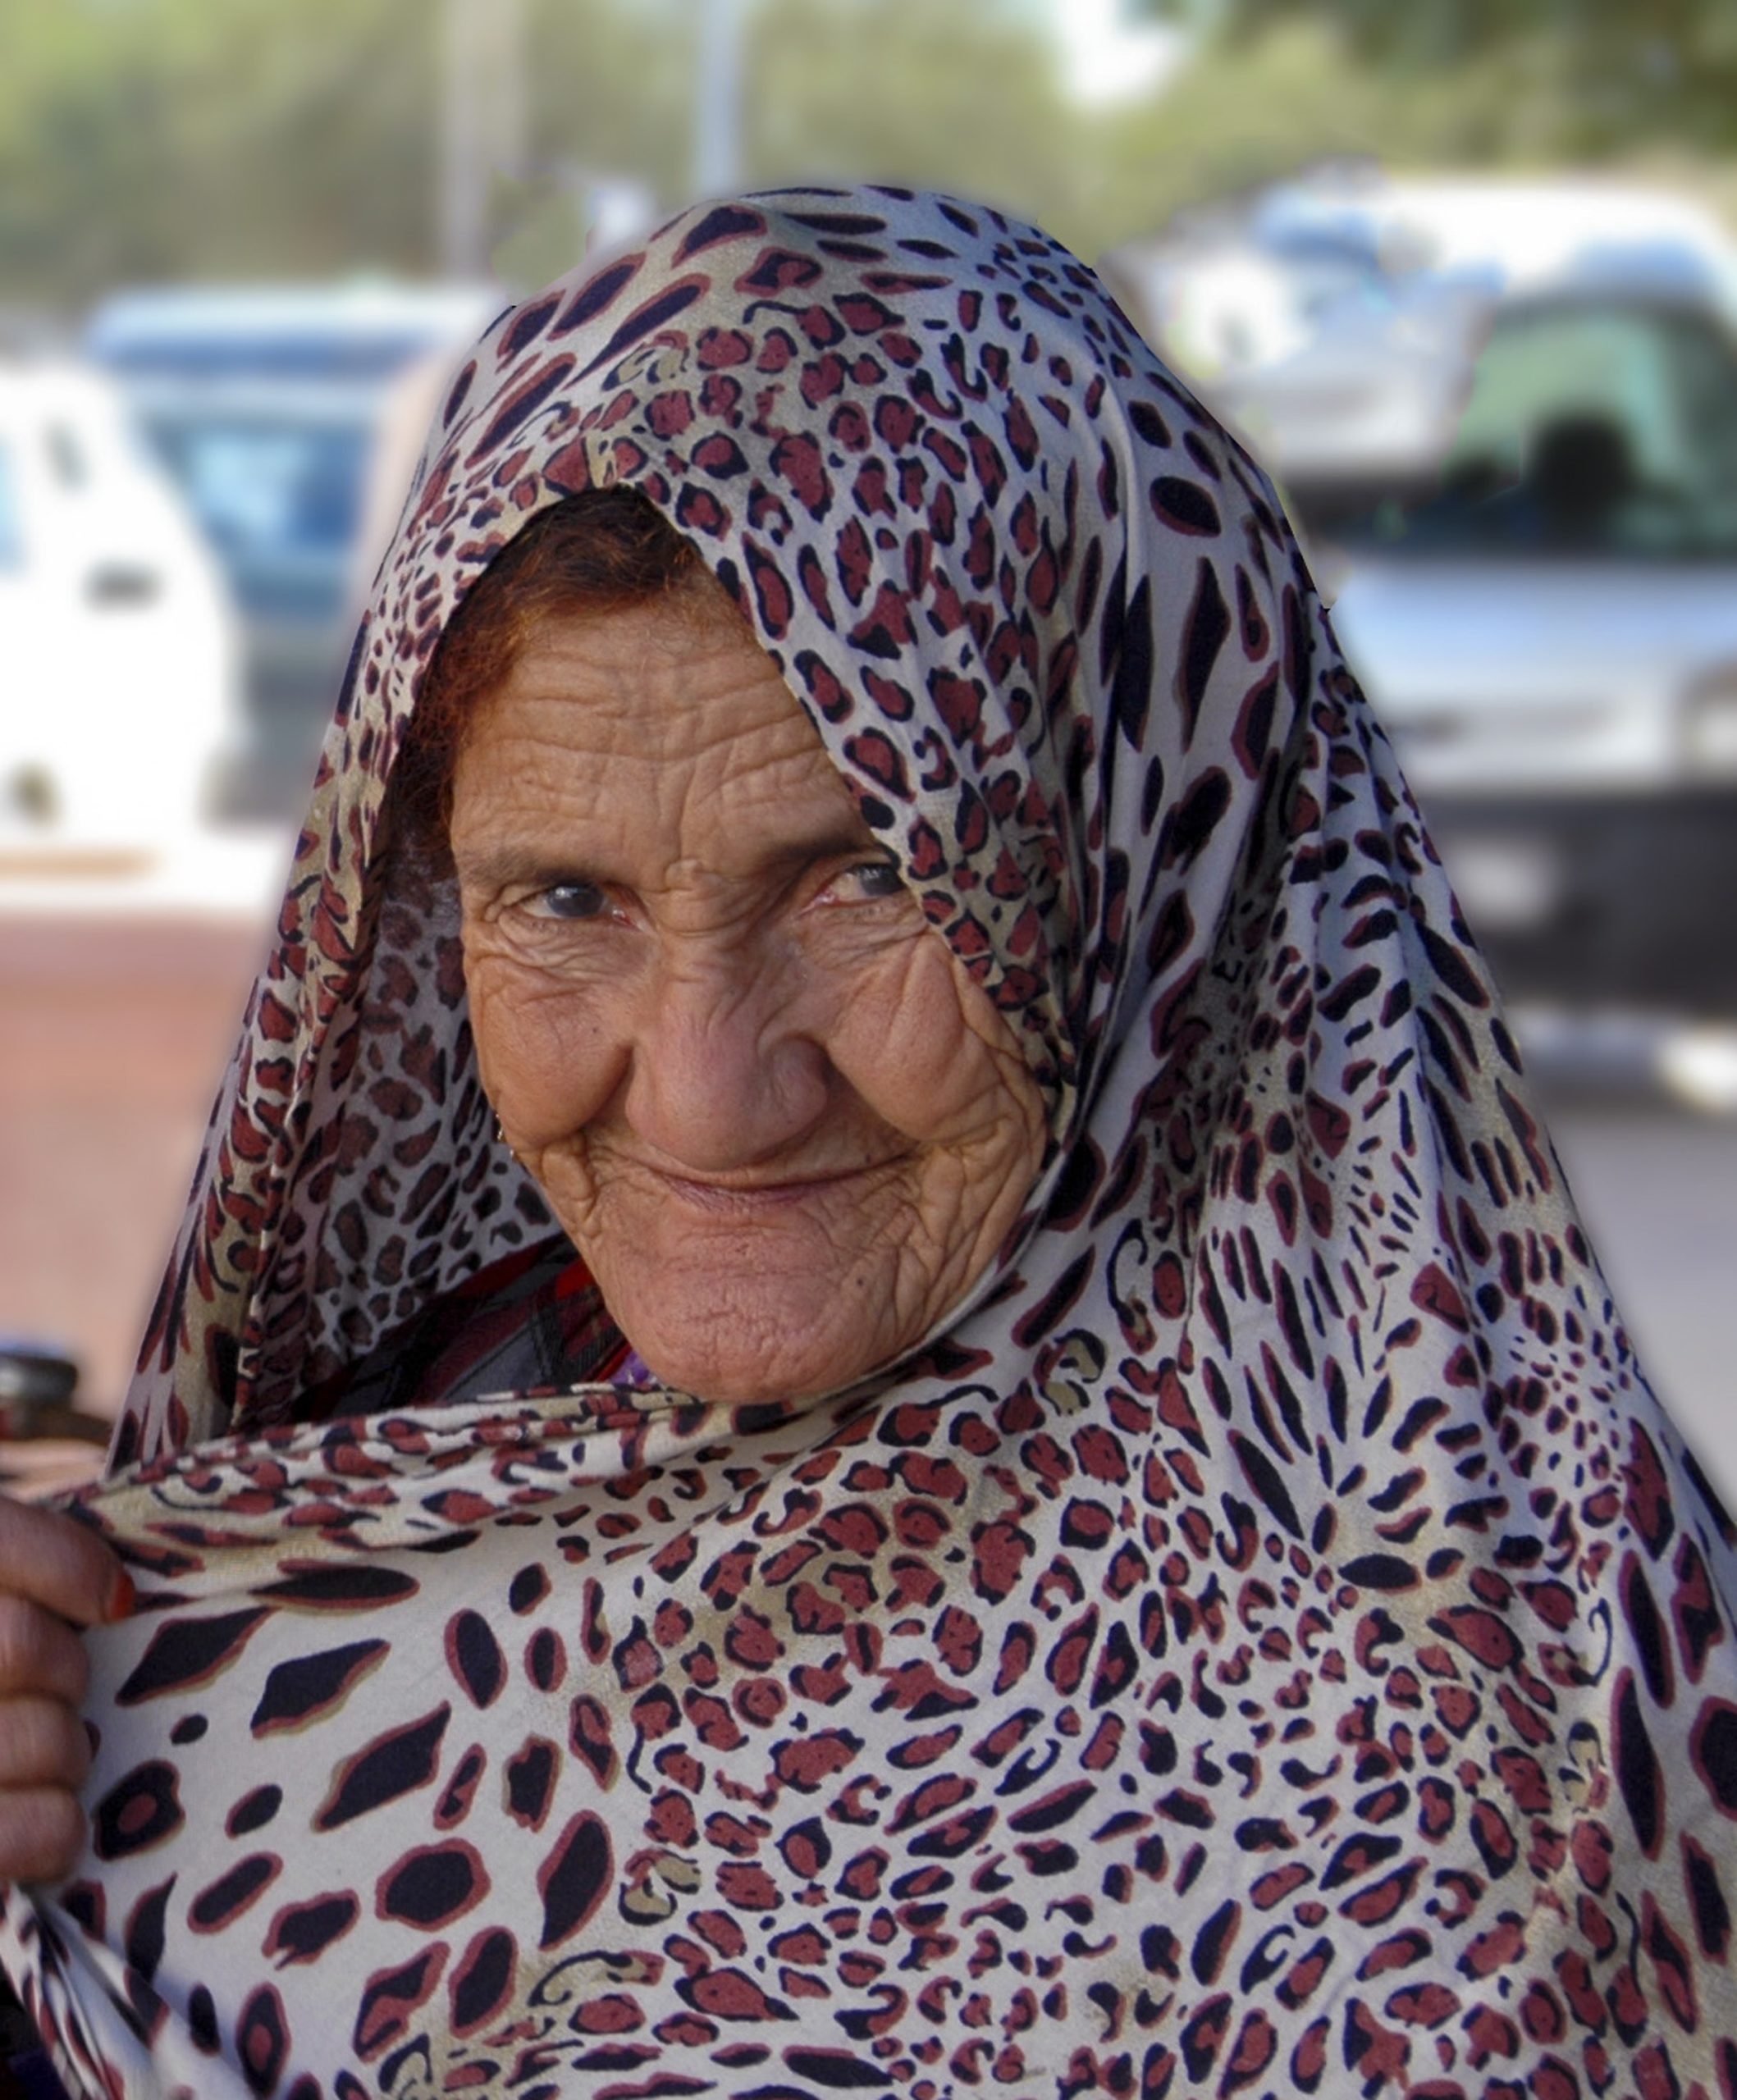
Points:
(1462, 273)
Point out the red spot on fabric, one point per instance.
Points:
(1272, 1889)
(1309, 2058)
(719, 348)
(1648, 1500)
(1328, 1123)
(1671, 1963)
(1481, 1633)
(998, 1552)
(1498, 1948)
(1490, 2034)
(1422, 2005)
(808, 1762)
(730, 1994)
(1435, 1293)
(1694, 1610)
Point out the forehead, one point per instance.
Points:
(666, 712)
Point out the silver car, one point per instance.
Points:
(1550, 634)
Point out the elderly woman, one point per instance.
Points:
(876, 1381)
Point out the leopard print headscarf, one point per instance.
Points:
(1269, 1643)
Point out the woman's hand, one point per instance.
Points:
(55, 1575)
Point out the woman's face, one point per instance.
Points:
(784, 1129)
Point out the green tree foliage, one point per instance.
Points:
(151, 139)
(1573, 78)
(1255, 111)
(947, 94)
(145, 141)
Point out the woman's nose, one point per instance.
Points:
(724, 1075)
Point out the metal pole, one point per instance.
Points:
(482, 121)
(507, 127)
(461, 170)
(717, 97)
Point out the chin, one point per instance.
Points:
(737, 1347)
(775, 1300)
(744, 1375)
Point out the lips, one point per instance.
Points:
(743, 1199)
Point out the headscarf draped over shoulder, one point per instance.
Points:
(1270, 1641)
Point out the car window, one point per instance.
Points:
(280, 501)
(11, 523)
(1594, 432)
(258, 485)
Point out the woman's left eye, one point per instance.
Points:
(867, 881)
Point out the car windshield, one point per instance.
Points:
(1591, 432)
(260, 486)
(280, 501)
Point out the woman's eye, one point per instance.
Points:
(569, 901)
(868, 880)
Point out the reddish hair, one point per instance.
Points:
(596, 552)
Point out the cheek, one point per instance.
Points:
(915, 1042)
(548, 1057)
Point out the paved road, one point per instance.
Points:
(111, 1035)
(1657, 1187)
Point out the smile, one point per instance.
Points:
(752, 1199)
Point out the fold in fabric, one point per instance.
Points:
(390, 1642)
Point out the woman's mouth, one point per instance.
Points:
(745, 1196)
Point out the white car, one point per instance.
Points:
(118, 655)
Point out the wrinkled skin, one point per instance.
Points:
(785, 1129)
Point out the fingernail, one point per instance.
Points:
(122, 1597)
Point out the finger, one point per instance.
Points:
(42, 1743)
(40, 1653)
(60, 1563)
(41, 1832)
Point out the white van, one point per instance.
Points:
(1550, 636)
(119, 668)
(1505, 413)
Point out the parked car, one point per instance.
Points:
(1504, 412)
(118, 649)
(1333, 321)
(1550, 634)
(264, 403)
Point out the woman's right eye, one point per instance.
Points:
(569, 901)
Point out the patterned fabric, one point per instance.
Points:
(1270, 1642)
(531, 1323)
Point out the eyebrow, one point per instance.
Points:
(534, 867)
